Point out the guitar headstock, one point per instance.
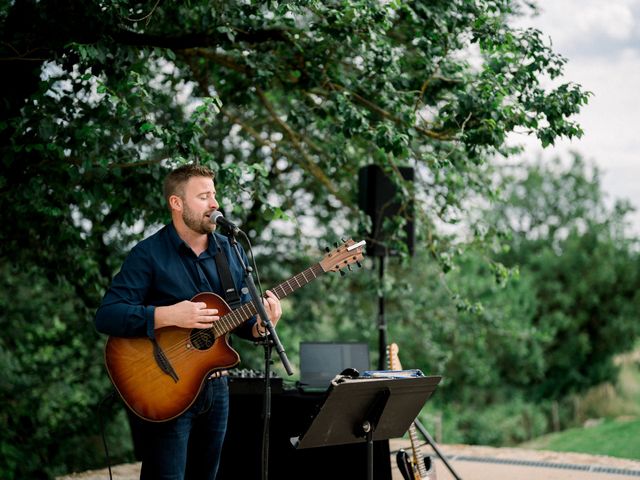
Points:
(343, 256)
(394, 359)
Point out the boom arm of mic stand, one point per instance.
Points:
(257, 301)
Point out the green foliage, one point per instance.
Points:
(51, 381)
(506, 423)
(309, 91)
(585, 272)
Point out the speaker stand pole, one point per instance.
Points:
(382, 323)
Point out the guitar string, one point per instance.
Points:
(241, 314)
(169, 351)
(227, 325)
(232, 319)
(236, 320)
(415, 449)
(392, 354)
(247, 311)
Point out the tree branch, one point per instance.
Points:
(147, 16)
(224, 60)
(194, 40)
(385, 114)
(308, 163)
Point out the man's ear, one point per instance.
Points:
(175, 202)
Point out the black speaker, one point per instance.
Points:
(378, 198)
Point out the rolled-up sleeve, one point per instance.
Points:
(122, 312)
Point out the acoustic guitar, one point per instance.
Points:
(414, 466)
(158, 380)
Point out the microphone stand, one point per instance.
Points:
(271, 340)
(266, 407)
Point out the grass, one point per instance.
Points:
(615, 438)
(616, 433)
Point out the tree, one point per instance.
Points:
(285, 100)
(538, 319)
(584, 269)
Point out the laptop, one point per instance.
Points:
(320, 362)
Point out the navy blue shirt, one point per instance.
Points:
(163, 270)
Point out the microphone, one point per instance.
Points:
(217, 218)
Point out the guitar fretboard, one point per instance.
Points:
(237, 317)
(417, 457)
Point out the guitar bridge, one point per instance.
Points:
(163, 361)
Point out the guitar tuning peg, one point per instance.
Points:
(343, 240)
(349, 267)
(342, 273)
(327, 249)
(359, 264)
(336, 244)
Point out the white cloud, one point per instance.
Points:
(612, 19)
(602, 43)
(574, 24)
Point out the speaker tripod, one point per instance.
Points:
(382, 343)
(378, 198)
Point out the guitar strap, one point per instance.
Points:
(231, 295)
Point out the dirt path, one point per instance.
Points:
(474, 463)
(484, 463)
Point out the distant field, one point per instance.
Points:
(615, 438)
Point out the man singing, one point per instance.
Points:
(153, 290)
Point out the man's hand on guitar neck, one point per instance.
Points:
(274, 312)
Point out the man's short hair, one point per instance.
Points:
(175, 181)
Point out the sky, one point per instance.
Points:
(601, 41)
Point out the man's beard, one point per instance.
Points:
(200, 225)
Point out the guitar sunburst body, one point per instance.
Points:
(160, 380)
(150, 392)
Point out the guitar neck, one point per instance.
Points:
(237, 317)
(417, 457)
(418, 462)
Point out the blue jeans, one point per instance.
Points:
(187, 447)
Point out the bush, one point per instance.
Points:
(503, 424)
(52, 380)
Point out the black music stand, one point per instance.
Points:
(367, 409)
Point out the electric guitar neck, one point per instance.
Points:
(411, 467)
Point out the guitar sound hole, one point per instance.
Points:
(202, 339)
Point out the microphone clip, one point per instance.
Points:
(218, 219)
